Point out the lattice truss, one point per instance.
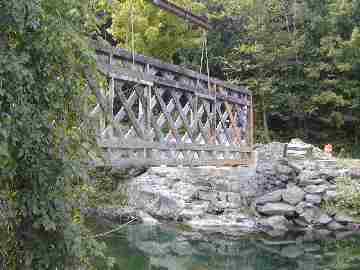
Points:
(169, 117)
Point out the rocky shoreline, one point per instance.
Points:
(283, 194)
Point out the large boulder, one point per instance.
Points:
(330, 195)
(275, 225)
(274, 196)
(313, 189)
(165, 207)
(313, 198)
(315, 216)
(293, 195)
(281, 209)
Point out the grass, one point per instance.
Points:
(348, 163)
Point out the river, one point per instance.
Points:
(140, 247)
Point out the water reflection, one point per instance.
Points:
(153, 248)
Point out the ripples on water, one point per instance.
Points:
(142, 247)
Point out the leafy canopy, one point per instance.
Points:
(155, 32)
(43, 47)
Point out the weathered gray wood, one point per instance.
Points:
(181, 146)
(131, 115)
(158, 135)
(167, 114)
(182, 116)
(199, 119)
(182, 13)
(145, 163)
(95, 89)
(154, 63)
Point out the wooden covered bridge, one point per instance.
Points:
(162, 114)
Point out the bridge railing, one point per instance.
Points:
(170, 115)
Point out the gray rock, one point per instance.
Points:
(313, 189)
(283, 169)
(278, 223)
(281, 209)
(330, 195)
(313, 198)
(343, 218)
(308, 182)
(164, 207)
(323, 219)
(307, 175)
(300, 208)
(300, 222)
(293, 195)
(335, 226)
(274, 196)
(315, 216)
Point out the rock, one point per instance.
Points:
(330, 195)
(224, 224)
(281, 209)
(284, 169)
(315, 216)
(147, 219)
(293, 251)
(307, 175)
(164, 207)
(355, 173)
(300, 208)
(323, 219)
(274, 196)
(277, 223)
(301, 222)
(343, 218)
(335, 226)
(313, 198)
(293, 195)
(313, 189)
(309, 182)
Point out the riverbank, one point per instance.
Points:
(281, 195)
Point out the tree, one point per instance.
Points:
(43, 47)
(152, 31)
(301, 59)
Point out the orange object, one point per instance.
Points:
(328, 148)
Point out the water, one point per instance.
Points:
(140, 247)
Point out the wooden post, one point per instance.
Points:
(252, 123)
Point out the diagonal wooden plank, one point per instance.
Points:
(158, 133)
(122, 113)
(182, 116)
(167, 114)
(223, 123)
(131, 115)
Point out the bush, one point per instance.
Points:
(348, 195)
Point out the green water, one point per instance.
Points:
(153, 248)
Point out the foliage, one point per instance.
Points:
(107, 188)
(348, 195)
(300, 59)
(155, 32)
(43, 47)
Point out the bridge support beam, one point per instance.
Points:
(183, 13)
